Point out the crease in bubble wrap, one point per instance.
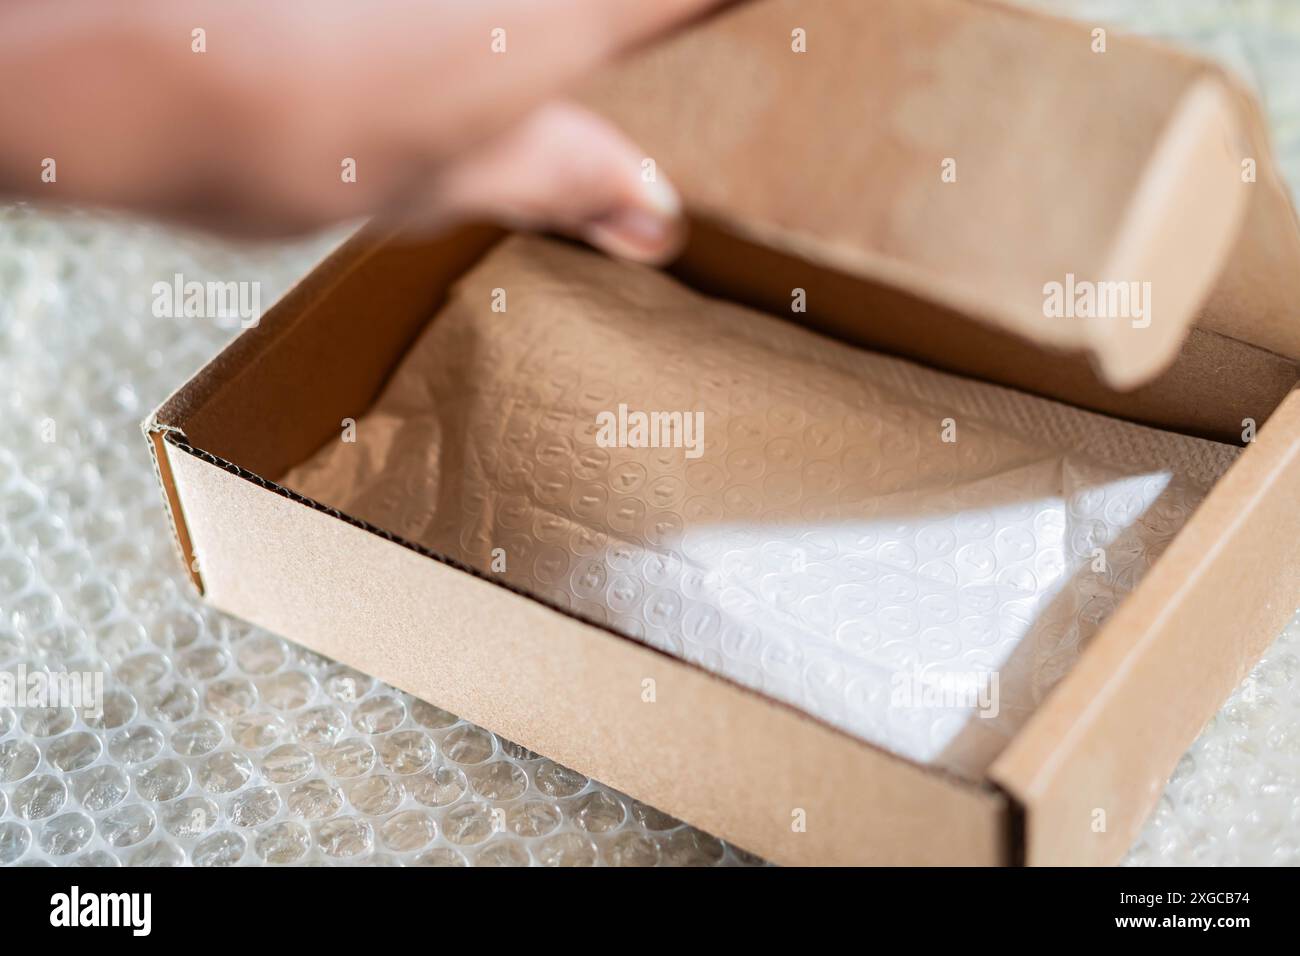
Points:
(828, 547)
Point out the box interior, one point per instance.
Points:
(808, 530)
(350, 327)
(405, 284)
(281, 389)
(921, 263)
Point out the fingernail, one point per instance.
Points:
(650, 232)
(662, 198)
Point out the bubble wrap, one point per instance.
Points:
(818, 539)
(220, 744)
(88, 575)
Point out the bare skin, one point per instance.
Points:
(250, 135)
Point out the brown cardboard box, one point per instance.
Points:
(821, 170)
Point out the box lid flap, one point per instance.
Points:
(975, 155)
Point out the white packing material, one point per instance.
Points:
(913, 557)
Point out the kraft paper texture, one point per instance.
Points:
(910, 556)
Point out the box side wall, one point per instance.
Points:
(716, 755)
(1213, 385)
(283, 388)
(321, 355)
(1255, 297)
(1093, 760)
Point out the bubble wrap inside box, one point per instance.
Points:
(281, 756)
(818, 533)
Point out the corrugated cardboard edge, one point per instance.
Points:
(721, 756)
(1092, 761)
(197, 389)
(155, 434)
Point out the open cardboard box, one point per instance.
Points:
(822, 171)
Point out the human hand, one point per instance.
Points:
(448, 111)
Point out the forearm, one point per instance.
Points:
(260, 119)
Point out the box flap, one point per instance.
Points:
(1092, 761)
(972, 154)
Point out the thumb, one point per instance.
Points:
(565, 169)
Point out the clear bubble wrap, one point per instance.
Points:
(222, 744)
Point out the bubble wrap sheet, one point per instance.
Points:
(912, 557)
(222, 743)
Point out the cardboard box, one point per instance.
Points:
(822, 170)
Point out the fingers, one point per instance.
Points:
(246, 130)
(566, 169)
